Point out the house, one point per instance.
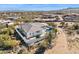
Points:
(8, 22)
(47, 17)
(13, 18)
(31, 33)
(71, 17)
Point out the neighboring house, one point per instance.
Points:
(13, 18)
(32, 32)
(47, 17)
(71, 17)
(8, 22)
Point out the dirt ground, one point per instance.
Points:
(60, 44)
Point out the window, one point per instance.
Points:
(37, 31)
(30, 33)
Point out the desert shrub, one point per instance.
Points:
(6, 41)
(51, 24)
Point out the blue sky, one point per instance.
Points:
(37, 7)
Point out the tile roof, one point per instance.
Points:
(32, 27)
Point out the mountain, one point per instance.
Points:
(69, 10)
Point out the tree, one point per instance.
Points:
(8, 31)
(10, 43)
(55, 31)
(7, 42)
(76, 27)
(52, 24)
(66, 25)
(62, 23)
(50, 37)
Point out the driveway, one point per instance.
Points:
(60, 44)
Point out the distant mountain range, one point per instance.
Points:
(67, 10)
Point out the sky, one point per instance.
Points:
(36, 7)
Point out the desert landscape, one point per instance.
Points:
(39, 32)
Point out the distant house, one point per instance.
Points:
(13, 17)
(47, 17)
(71, 17)
(8, 22)
(32, 32)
